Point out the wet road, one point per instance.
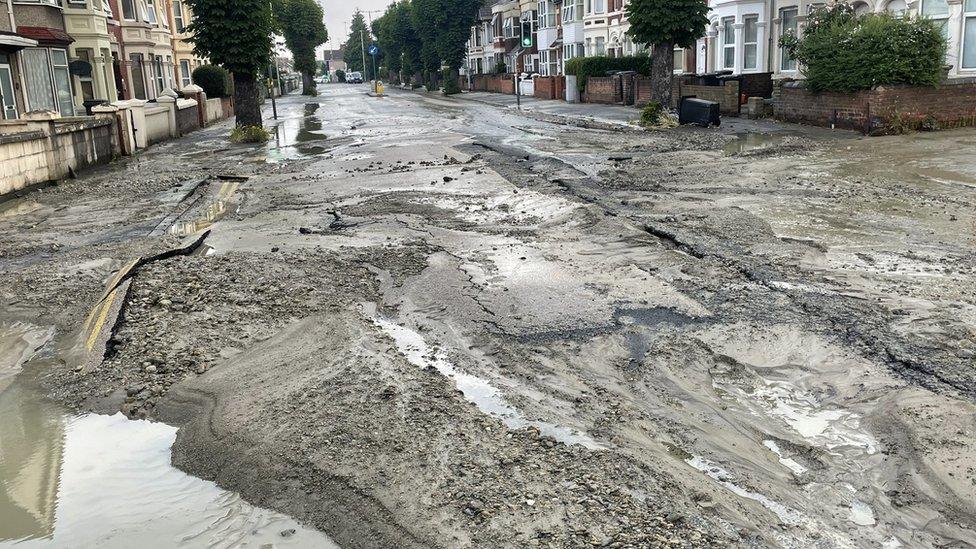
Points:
(423, 321)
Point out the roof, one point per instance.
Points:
(12, 41)
(45, 35)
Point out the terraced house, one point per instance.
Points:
(89, 23)
(743, 35)
(145, 42)
(34, 48)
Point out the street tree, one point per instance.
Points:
(664, 24)
(444, 27)
(398, 39)
(235, 34)
(302, 25)
(359, 40)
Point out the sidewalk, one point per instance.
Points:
(607, 114)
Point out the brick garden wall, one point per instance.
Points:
(726, 95)
(950, 105)
(603, 89)
(550, 87)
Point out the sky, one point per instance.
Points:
(338, 14)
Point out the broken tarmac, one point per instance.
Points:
(427, 321)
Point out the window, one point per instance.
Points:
(160, 75)
(601, 45)
(86, 83)
(898, 8)
(185, 78)
(509, 28)
(129, 10)
(150, 12)
(728, 42)
(679, 60)
(138, 79)
(787, 23)
(938, 11)
(547, 15)
(750, 43)
(48, 81)
(969, 35)
(573, 50)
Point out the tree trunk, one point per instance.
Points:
(247, 102)
(662, 72)
(308, 84)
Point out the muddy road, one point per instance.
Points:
(417, 321)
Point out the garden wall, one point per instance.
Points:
(550, 87)
(603, 89)
(949, 105)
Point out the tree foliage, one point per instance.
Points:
(397, 39)
(585, 67)
(301, 23)
(235, 34)
(214, 80)
(675, 22)
(842, 51)
(304, 30)
(359, 40)
(445, 26)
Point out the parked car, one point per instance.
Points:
(354, 78)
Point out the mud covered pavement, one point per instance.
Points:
(427, 322)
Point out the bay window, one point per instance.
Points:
(129, 10)
(47, 79)
(938, 11)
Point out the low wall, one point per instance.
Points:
(214, 110)
(38, 151)
(550, 87)
(157, 124)
(226, 107)
(603, 89)
(187, 116)
(948, 105)
(725, 94)
(494, 83)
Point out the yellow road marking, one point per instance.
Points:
(102, 316)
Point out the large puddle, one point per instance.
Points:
(85, 481)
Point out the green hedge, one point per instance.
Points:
(585, 67)
(841, 51)
(215, 81)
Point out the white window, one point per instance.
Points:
(547, 15)
(898, 8)
(679, 60)
(728, 42)
(573, 50)
(48, 81)
(938, 11)
(509, 28)
(969, 35)
(787, 23)
(129, 10)
(150, 16)
(601, 46)
(86, 83)
(160, 78)
(179, 19)
(750, 43)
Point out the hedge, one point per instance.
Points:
(845, 52)
(585, 67)
(215, 81)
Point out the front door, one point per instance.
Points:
(7, 102)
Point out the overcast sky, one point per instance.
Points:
(338, 14)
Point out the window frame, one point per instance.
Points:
(968, 13)
(728, 42)
(787, 63)
(746, 44)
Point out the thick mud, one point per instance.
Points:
(426, 322)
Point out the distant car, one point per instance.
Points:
(355, 78)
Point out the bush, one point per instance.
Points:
(215, 81)
(500, 68)
(651, 114)
(585, 67)
(249, 134)
(450, 79)
(841, 51)
(341, 76)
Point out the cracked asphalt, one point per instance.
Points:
(419, 321)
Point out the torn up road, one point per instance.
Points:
(416, 321)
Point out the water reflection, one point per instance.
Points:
(85, 481)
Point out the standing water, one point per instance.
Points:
(81, 481)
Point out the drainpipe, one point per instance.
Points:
(10, 13)
(770, 58)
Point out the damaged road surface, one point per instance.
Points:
(418, 321)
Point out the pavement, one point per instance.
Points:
(428, 321)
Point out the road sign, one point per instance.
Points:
(373, 49)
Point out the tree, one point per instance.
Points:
(301, 24)
(235, 34)
(665, 24)
(397, 39)
(359, 39)
(444, 27)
